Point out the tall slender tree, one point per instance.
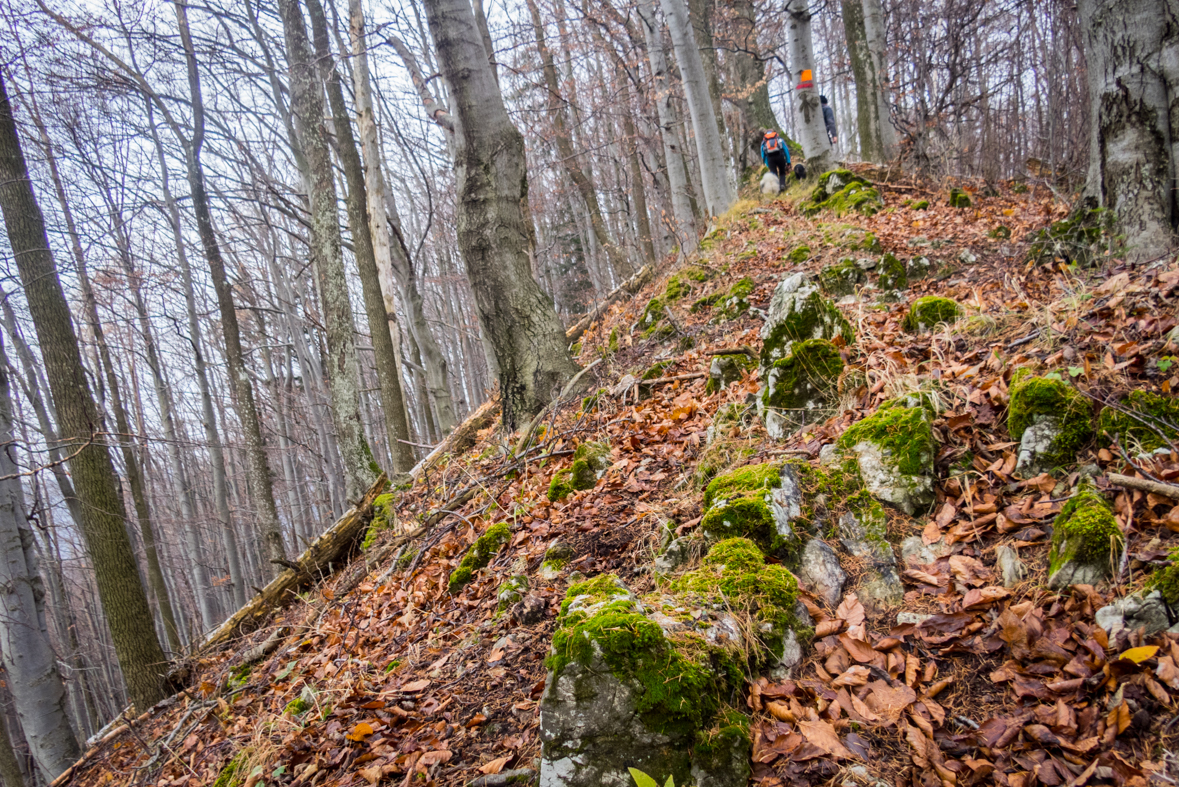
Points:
(863, 25)
(808, 112)
(103, 521)
(24, 639)
(494, 227)
(715, 173)
(326, 254)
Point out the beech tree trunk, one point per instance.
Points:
(326, 255)
(752, 86)
(494, 227)
(382, 322)
(811, 130)
(241, 387)
(392, 256)
(1132, 50)
(677, 174)
(24, 640)
(863, 25)
(103, 526)
(564, 141)
(715, 173)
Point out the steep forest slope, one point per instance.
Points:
(955, 664)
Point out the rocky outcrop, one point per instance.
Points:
(1138, 611)
(798, 312)
(1085, 541)
(1050, 419)
(894, 449)
(800, 388)
(637, 683)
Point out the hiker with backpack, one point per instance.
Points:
(829, 120)
(776, 156)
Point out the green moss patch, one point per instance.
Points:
(799, 254)
(737, 504)
(384, 515)
(927, 312)
(815, 317)
(510, 591)
(1166, 580)
(921, 204)
(891, 273)
(1084, 532)
(805, 379)
(1086, 238)
(479, 555)
(677, 287)
(736, 301)
(1033, 398)
(652, 318)
(842, 191)
(842, 278)
(1143, 421)
(903, 433)
(959, 199)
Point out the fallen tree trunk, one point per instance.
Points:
(462, 438)
(329, 547)
(628, 287)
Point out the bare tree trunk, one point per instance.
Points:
(257, 467)
(326, 255)
(208, 416)
(677, 175)
(382, 322)
(1132, 50)
(10, 771)
(24, 639)
(564, 141)
(715, 173)
(812, 132)
(494, 227)
(103, 525)
(875, 43)
(752, 88)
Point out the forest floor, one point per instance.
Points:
(404, 683)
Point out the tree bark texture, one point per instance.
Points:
(877, 138)
(875, 40)
(382, 322)
(103, 525)
(564, 141)
(751, 85)
(673, 154)
(715, 175)
(241, 387)
(24, 640)
(326, 254)
(1132, 50)
(494, 227)
(811, 130)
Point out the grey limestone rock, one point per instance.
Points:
(1011, 568)
(819, 571)
(866, 540)
(914, 549)
(1077, 573)
(1038, 441)
(1134, 612)
(909, 493)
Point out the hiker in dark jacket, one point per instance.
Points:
(776, 156)
(829, 119)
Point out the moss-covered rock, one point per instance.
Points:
(1001, 232)
(959, 199)
(1166, 580)
(841, 279)
(677, 287)
(1085, 541)
(637, 684)
(1087, 237)
(556, 557)
(752, 502)
(895, 449)
(590, 461)
(736, 300)
(1051, 419)
(800, 386)
(921, 204)
(798, 312)
(707, 302)
(891, 273)
(930, 311)
(726, 370)
(479, 555)
(651, 322)
(842, 191)
(918, 268)
(1142, 422)
(510, 592)
(799, 254)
